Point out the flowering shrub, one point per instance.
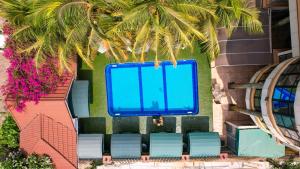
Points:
(7, 29)
(17, 159)
(25, 81)
(9, 133)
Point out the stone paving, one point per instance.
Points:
(189, 165)
(221, 77)
(3, 76)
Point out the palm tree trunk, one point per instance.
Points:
(245, 111)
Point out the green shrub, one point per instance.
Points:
(9, 133)
(94, 164)
(36, 161)
(18, 160)
(286, 164)
(13, 160)
(10, 155)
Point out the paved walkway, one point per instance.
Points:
(221, 76)
(189, 165)
(3, 76)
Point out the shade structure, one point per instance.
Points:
(126, 146)
(90, 146)
(257, 143)
(166, 145)
(204, 144)
(80, 98)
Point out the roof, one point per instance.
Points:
(126, 145)
(47, 136)
(47, 127)
(90, 146)
(80, 98)
(204, 144)
(166, 145)
(255, 142)
(242, 48)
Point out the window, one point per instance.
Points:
(284, 96)
(257, 94)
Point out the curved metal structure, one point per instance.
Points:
(278, 101)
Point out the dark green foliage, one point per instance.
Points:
(13, 159)
(16, 159)
(287, 164)
(35, 161)
(9, 133)
(95, 163)
(10, 155)
(9, 137)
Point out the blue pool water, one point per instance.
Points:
(135, 89)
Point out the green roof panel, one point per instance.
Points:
(80, 98)
(255, 142)
(126, 146)
(90, 146)
(166, 145)
(204, 144)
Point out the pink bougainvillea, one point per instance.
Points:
(25, 81)
(7, 29)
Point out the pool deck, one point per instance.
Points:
(98, 105)
(232, 163)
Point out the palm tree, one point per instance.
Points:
(126, 28)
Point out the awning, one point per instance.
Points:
(90, 146)
(166, 145)
(80, 98)
(126, 146)
(204, 144)
(257, 143)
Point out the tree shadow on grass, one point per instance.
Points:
(126, 125)
(87, 75)
(92, 125)
(194, 123)
(169, 125)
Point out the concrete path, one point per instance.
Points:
(3, 76)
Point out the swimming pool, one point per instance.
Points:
(135, 89)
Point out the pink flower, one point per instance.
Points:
(8, 52)
(26, 82)
(7, 30)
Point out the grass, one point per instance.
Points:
(98, 105)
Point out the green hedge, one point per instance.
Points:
(9, 133)
(11, 157)
(17, 159)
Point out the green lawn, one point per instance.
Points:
(98, 106)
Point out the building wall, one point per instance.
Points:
(281, 77)
(297, 108)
